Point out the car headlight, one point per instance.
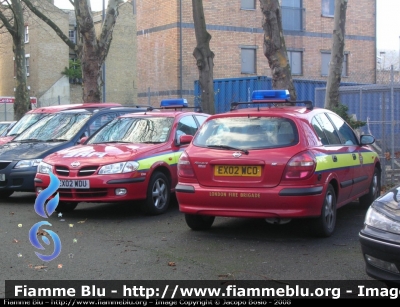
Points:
(377, 219)
(27, 163)
(44, 168)
(117, 168)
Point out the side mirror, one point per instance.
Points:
(367, 139)
(83, 140)
(183, 139)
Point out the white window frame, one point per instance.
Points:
(290, 52)
(74, 35)
(324, 9)
(345, 65)
(248, 48)
(27, 60)
(247, 5)
(26, 34)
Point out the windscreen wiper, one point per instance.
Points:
(229, 147)
(56, 140)
(27, 140)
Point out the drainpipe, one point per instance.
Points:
(104, 63)
(180, 50)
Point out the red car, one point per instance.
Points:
(263, 160)
(34, 115)
(133, 157)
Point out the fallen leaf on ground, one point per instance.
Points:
(15, 241)
(171, 263)
(39, 267)
(81, 222)
(42, 233)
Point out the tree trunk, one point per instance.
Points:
(337, 54)
(91, 51)
(275, 48)
(204, 58)
(22, 101)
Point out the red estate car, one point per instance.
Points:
(133, 157)
(276, 162)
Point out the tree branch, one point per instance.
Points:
(56, 29)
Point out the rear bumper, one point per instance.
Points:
(258, 203)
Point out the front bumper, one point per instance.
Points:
(102, 188)
(17, 179)
(382, 250)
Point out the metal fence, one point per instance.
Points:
(377, 106)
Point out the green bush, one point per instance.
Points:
(342, 110)
(74, 71)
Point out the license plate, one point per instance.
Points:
(2, 177)
(74, 184)
(237, 170)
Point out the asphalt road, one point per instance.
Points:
(118, 242)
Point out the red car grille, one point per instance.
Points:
(82, 194)
(84, 171)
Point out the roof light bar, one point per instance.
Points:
(174, 103)
(272, 95)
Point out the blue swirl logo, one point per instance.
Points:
(45, 210)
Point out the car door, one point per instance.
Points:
(338, 156)
(350, 140)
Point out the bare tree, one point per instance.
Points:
(12, 18)
(204, 58)
(337, 54)
(92, 51)
(275, 47)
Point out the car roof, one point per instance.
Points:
(58, 108)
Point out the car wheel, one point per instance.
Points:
(5, 194)
(64, 206)
(199, 222)
(374, 190)
(324, 225)
(158, 195)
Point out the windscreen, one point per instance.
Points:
(60, 126)
(25, 122)
(247, 132)
(135, 130)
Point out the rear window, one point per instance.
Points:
(247, 132)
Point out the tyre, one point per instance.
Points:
(5, 194)
(64, 206)
(158, 195)
(374, 190)
(324, 225)
(199, 222)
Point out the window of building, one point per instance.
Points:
(26, 34)
(328, 8)
(248, 57)
(292, 15)
(27, 57)
(295, 61)
(71, 34)
(325, 60)
(248, 4)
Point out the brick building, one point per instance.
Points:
(46, 56)
(166, 40)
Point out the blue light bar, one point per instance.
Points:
(270, 95)
(174, 103)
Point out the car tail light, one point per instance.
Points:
(301, 166)
(185, 169)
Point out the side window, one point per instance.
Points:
(328, 129)
(201, 119)
(101, 121)
(318, 129)
(186, 125)
(345, 132)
